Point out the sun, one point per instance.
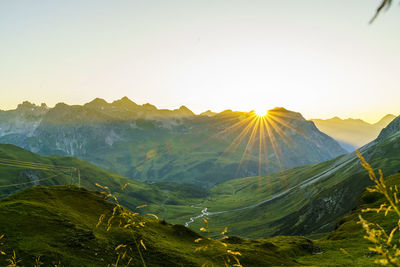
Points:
(260, 112)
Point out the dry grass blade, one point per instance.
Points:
(120, 246)
(13, 261)
(142, 243)
(228, 256)
(152, 215)
(123, 188)
(102, 187)
(38, 263)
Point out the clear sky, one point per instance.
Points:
(318, 57)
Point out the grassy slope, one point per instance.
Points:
(137, 193)
(52, 222)
(349, 234)
(58, 223)
(308, 208)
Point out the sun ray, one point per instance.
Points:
(278, 119)
(264, 141)
(273, 142)
(257, 133)
(232, 128)
(237, 141)
(250, 142)
(260, 147)
(275, 127)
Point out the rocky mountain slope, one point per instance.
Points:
(152, 145)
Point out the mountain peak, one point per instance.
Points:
(26, 105)
(208, 113)
(149, 106)
(97, 102)
(336, 118)
(279, 109)
(182, 111)
(283, 112)
(185, 110)
(385, 120)
(125, 99)
(125, 102)
(61, 105)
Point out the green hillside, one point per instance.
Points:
(47, 175)
(349, 234)
(58, 223)
(20, 169)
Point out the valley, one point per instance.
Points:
(199, 133)
(306, 201)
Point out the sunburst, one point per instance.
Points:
(260, 112)
(261, 134)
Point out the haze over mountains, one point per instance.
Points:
(352, 133)
(149, 144)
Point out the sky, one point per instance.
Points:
(320, 58)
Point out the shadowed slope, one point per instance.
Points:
(59, 224)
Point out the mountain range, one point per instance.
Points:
(272, 204)
(352, 133)
(153, 145)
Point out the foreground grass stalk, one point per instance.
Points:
(228, 256)
(125, 219)
(386, 244)
(13, 261)
(140, 252)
